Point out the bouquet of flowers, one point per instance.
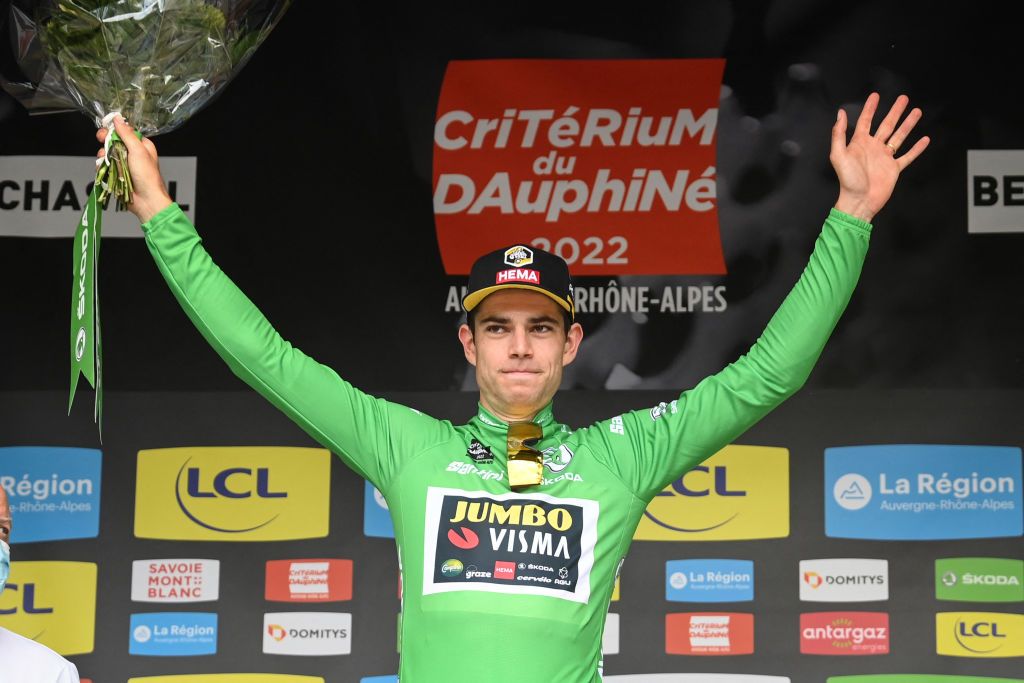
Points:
(156, 62)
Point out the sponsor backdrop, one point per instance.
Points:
(676, 156)
(165, 587)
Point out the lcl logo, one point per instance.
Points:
(719, 485)
(28, 600)
(981, 629)
(233, 483)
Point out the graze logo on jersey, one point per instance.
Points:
(479, 452)
(307, 633)
(995, 185)
(308, 580)
(376, 517)
(173, 580)
(844, 633)
(718, 633)
(228, 678)
(173, 634)
(509, 543)
(593, 160)
(40, 193)
(610, 637)
(54, 493)
(979, 634)
(709, 580)
(919, 678)
(911, 492)
(979, 579)
(844, 580)
(742, 492)
(53, 603)
(233, 494)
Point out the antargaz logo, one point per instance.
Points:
(232, 494)
(53, 603)
(742, 492)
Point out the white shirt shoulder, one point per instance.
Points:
(26, 661)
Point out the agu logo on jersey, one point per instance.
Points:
(979, 634)
(979, 579)
(720, 633)
(844, 580)
(844, 633)
(308, 580)
(173, 634)
(376, 518)
(174, 580)
(742, 492)
(709, 580)
(228, 678)
(307, 633)
(54, 492)
(53, 603)
(908, 492)
(233, 494)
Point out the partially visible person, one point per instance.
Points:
(23, 660)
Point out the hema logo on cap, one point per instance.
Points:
(527, 275)
(518, 256)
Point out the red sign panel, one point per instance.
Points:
(608, 163)
(709, 633)
(844, 633)
(309, 580)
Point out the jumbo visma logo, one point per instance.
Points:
(979, 634)
(232, 494)
(53, 603)
(742, 492)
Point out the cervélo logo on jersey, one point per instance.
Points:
(709, 633)
(844, 580)
(979, 579)
(509, 543)
(318, 580)
(742, 492)
(844, 633)
(593, 160)
(53, 603)
(175, 580)
(54, 492)
(233, 493)
(307, 633)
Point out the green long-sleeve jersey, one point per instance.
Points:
(500, 585)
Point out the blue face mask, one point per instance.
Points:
(5, 564)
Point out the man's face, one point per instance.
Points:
(519, 348)
(5, 517)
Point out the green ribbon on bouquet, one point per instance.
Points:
(86, 351)
(112, 177)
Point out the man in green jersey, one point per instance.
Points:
(502, 585)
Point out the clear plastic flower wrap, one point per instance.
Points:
(157, 63)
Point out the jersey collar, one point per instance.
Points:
(488, 422)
